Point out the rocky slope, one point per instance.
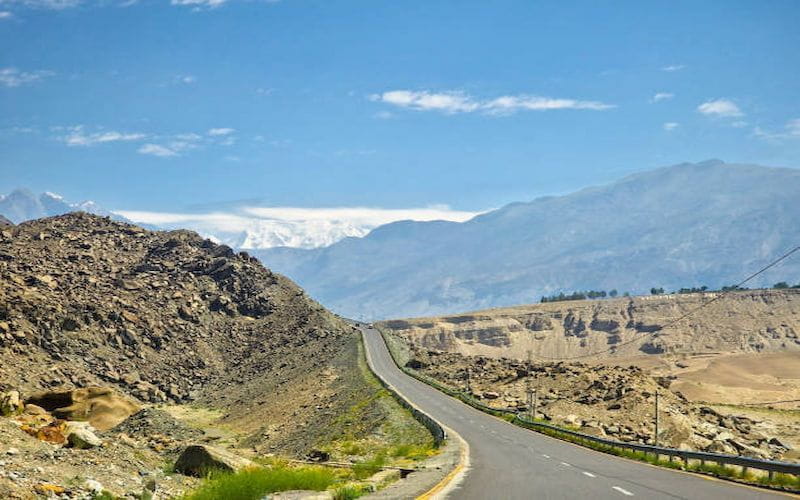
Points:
(613, 401)
(119, 347)
(168, 317)
(743, 321)
(708, 223)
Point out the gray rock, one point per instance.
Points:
(197, 460)
(83, 438)
(777, 442)
(10, 403)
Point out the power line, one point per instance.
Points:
(686, 315)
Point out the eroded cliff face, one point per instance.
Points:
(744, 321)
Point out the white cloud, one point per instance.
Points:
(157, 144)
(187, 79)
(451, 102)
(4, 14)
(156, 150)
(673, 67)
(173, 146)
(77, 137)
(210, 4)
(214, 132)
(448, 102)
(12, 77)
(793, 127)
(383, 115)
(264, 227)
(511, 104)
(662, 96)
(739, 124)
(670, 126)
(43, 4)
(720, 107)
(364, 215)
(790, 131)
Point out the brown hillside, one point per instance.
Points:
(170, 317)
(741, 322)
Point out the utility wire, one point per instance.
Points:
(686, 315)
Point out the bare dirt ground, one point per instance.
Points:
(764, 379)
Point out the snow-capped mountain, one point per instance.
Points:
(21, 205)
(254, 227)
(300, 234)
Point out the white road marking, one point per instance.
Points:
(622, 490)
(566, 464)
(588, 474)
(545, 456)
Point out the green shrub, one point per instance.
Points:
(253, 484)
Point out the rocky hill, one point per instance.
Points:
(613, 401)
(169, 317)
(740, 322)
(687, 225)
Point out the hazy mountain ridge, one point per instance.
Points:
(23, 205)
(708, 223)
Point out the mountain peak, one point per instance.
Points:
(681, 226)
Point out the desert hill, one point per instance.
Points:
(687, 225)
(169, 317)
(748, 321)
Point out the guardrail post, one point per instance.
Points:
(655, 438)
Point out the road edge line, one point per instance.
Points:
(454, 477)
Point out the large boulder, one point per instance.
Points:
(198, 460)
(82, 436)
(10, 403)
(102, 407)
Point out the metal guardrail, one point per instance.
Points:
(770, 466)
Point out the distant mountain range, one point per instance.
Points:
(21, 205)
(249, 232)
(708, 223)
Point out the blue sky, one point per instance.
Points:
(159, 106)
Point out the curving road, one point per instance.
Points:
(509, 462)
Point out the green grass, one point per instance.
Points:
(104, 495)
(375, 425)
(349, 492)
(783, 480)
(411, 451)
(366, 468)
(253, 484)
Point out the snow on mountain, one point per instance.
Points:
(252, 228)
(21, 205)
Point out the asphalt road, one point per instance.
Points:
(508, 462)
